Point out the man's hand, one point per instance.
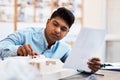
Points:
(94, 64)
(26, 50)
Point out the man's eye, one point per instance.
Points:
(64, 29)
(55, 24)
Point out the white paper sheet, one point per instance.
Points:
(87, 45)
(115, 66)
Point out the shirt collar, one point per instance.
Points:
(45, 40)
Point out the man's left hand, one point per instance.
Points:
(94, 64)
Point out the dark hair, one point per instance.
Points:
(65, 14)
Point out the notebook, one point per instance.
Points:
(88, 44)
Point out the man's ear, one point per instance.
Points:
(48, 21)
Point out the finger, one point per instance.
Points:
(28, 49)
(31, 50)
(20, 53)
(35, 55)
(93, 68)
(94, 62)
(23, 49)
(95, 59)
(96, 65)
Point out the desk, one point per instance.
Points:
(17, 67)
(73, 75)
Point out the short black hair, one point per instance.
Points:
(65, 14)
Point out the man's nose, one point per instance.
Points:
(57, 30)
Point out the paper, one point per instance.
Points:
(87, 45)
(115, 66)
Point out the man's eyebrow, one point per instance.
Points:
(59, 23)
(55, 21)
(67, 27)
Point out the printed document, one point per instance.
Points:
(87, 45)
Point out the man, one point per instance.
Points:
(34, 41)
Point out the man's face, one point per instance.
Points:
(56, 29)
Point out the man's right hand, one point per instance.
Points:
(26, 50)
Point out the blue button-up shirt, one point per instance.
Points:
(35, 37)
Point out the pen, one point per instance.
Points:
(104, 65)
(99, 74)
(89, 73)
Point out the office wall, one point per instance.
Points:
(105, 14)
(113, 16)
(113, 30)
(5, 29)
(94, 16)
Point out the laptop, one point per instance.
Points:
(88, 44)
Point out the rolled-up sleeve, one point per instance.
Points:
(9, 45)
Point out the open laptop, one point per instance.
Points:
(88, 44)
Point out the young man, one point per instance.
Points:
(34, 41)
